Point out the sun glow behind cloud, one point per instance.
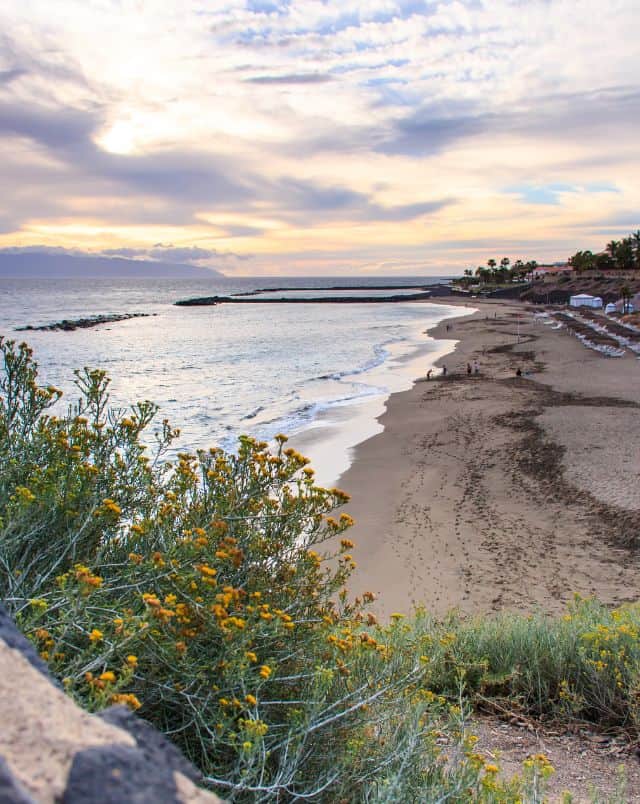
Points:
(310, 136)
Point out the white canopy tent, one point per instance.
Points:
(585, 300)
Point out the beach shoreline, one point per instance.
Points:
(480, 492)
(331, 437)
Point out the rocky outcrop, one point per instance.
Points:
(52, 751)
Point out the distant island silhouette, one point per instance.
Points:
(43, 265)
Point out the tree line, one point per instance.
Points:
(495, 273)
(621, 255)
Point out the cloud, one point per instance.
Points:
(407, 212)
(427, 132)
(40, 248)
(168, 253)
(291, 78)
(56, 128)
(7, 76)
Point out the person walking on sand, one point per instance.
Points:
(444, 371)
(469, 369)
(429, 374)
(476, 367)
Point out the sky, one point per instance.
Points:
(312, 137)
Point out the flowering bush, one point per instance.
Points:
(208, 593)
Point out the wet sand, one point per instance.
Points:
(494, 491)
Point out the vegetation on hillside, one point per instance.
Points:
(208, 593)
(619, 255)
(498, 274)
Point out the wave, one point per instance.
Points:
(253, 413)
(380, 354)
(302, 416)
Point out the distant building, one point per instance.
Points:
(542, 271)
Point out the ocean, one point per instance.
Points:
(318, 372)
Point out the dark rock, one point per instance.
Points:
(153, 744)
(208, 301)
(11, 791)
(113, 774)
(67, 325)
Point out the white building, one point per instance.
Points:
(585, 300)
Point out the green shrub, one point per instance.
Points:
(584, 665)
(209, 594)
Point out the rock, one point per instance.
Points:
(67, 325)
(11, 791)
(53, 751)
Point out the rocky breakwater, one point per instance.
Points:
(51, 751)
(208, 301)
(68, 325)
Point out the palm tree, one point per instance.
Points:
(624, 254)
(635, 237)
(625, 292)
(612, 249)
(581, 261)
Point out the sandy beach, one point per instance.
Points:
(495, 491)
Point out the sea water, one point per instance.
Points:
(319, 372)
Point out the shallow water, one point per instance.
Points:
(218, 372)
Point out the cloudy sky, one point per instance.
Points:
(318, 137)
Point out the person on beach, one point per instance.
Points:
(429, 374)
(476, 367)
(444, 371)
(518, 372)
(469, 369)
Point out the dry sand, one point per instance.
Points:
(494, 491)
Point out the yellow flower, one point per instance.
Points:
(96, 635)
(128, 699)
(108, 676)
(251, 656)
(265, 671)
(112, 506)
(491, 768)
(132, 660)
(251, 699)
(25, 494)
(247, 745)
